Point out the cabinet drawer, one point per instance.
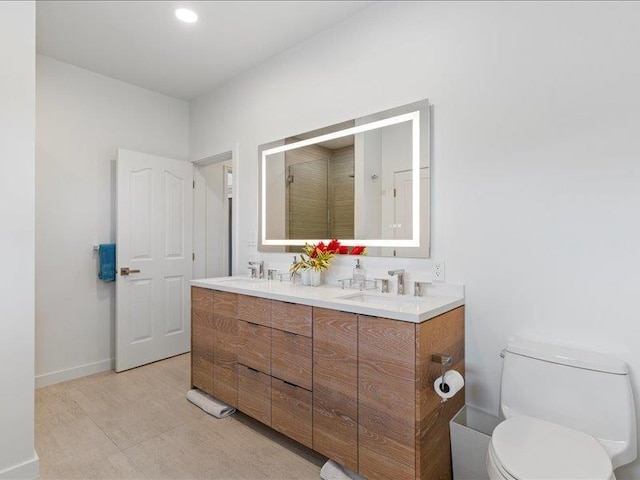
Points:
(254, 310)
(254, 346)
(225, 304)
(291, 317)
(291, 358)
(254, 394)
(291, 411)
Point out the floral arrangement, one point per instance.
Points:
(318, 257)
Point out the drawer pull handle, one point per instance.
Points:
(290, 384)
(254, 369)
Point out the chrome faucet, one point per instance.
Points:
(400, 273)
(256, 269)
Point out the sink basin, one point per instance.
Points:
(390, 300)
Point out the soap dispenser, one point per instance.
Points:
(359, 273)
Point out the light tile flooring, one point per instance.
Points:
(138, 424)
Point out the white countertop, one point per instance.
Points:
(440, 298)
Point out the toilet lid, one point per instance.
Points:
(528, 447)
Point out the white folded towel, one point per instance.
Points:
(334, 471)
(209, 404)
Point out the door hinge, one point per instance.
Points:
(193, 257)
(194, 184)
(394, 193)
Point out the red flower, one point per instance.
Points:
(320, 247)
(343, 250)
(359, 250)
(334, 246)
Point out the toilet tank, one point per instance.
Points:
(586, 391)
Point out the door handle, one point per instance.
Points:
(124, 271)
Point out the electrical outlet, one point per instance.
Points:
(438, 271)
(252, 239)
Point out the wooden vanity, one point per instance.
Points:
(355, 388)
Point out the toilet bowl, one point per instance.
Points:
(569, 414)
(529, 448)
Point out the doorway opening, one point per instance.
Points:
(213, 253)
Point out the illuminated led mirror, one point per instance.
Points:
(364, 181)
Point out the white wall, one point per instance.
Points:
(82, 119)
(535, 155)
(17, 210)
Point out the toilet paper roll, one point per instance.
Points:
(453, 383)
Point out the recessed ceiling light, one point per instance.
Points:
(186, 15)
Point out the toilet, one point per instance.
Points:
(569, 414)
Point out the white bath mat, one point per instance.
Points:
(334, 471)
(209, 404)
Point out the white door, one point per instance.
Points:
(154, 242)
(403, 214)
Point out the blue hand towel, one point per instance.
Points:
(107, 254)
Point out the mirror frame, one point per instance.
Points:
(420, 150)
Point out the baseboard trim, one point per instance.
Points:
(28, 470)
(52, 378)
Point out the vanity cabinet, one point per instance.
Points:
(355, 388)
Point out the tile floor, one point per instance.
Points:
(139, 425)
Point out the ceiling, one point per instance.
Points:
(141, 42)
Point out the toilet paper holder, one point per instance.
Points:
(444, 361)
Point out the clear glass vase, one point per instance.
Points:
(311, 277)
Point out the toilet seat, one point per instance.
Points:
(524, 448)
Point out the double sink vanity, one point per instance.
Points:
(347, 373)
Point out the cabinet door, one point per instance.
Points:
(386, 396)
(442, 334)
(225, 380)
(335, 386)
(291, 358)
(254, 346)
(225, 323)
(202, 335)
(291, 411)
(254, 394)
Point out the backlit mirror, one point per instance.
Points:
(364, 181)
